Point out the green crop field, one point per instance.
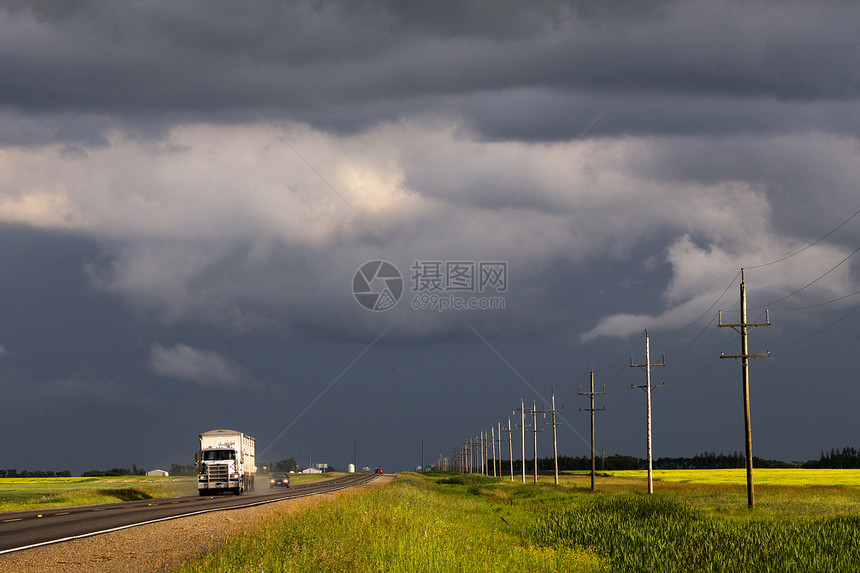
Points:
(476, 523)
(19, 494)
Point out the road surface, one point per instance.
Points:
(27, 529)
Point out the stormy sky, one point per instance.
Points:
(188, 191)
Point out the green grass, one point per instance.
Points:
(475, 523)
(21, 494)
(656, 533)
(411, 525)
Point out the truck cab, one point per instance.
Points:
(225, 463)
(218, 472)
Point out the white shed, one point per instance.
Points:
(157, 473)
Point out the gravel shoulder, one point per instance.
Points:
(162, 546)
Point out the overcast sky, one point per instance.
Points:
(188, 191)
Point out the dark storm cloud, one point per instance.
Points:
(169, 223)
(511, 70)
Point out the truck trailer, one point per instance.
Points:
(225, 462)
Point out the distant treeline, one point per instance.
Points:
(288, 465)
(134, 471)
(845, 458)
(13, 473)
(705, 460)
(183, 469)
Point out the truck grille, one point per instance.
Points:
(218, 472)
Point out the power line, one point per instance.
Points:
(779, 300)
(725, 290)
(820, 330)
(810, 284)
(707, 326)
(624, 363)
(692, 380)
(843, 223)
(857, 212)
(820, 303)
(827, 346)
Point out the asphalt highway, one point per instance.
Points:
(26, 529)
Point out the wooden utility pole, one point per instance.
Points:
(647, 388)
(592, 409)
(554, 438)
(481, 450)
(470, 445)
(522, 426)
(510, 440)
(534, 432)
(741, 328)
(499, 424)
(482, 446)
(493, 436)
(486, 447)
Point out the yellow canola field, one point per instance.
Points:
(47, 480)
(796, 477)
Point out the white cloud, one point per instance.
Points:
(700, 275)
(204, 367)
(249, 226)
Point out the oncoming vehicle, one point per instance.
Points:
(379, 470)
(279, 479)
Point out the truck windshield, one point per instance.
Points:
(216, 455)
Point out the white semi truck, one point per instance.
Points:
(225, 462)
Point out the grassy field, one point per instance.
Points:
(473, 523)
(414, 524)
(19, 494)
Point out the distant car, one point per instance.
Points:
(379, 471)
(279, 479)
